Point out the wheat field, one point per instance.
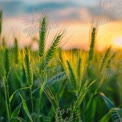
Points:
(58, 85)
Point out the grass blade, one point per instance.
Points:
(55, 79)
(72, 76)
(15, 112)
(110, 105)
(25, 108)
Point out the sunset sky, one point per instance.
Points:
(21, 17)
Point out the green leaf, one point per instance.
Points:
(17, 118)
(56, 78)
(15, 112)
(111, 107)
(109, 104)
(12, 96)
(72, 76)
(84, 91)
(25, 108)
(108, 115)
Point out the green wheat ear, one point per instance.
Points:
(53, 48)
(6, 62)
(0, 23)
(105, 58)
(27, 67)
(3, 42)
(16, 50)
(42, 34)
(92, 44)
(55, 79)
(72, 76)
(50, 53)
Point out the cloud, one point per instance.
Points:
(12, 8)
(71, 10)
(49, 6)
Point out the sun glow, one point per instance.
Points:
(118, 42)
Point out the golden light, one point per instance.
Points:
(118, 42)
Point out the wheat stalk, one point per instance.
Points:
(16, 50)
(0, 23)
(43, 29)
(6, 62)
(50, 53)
(72, 76)
(92, 44)
(28, 70)
(105, 58)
